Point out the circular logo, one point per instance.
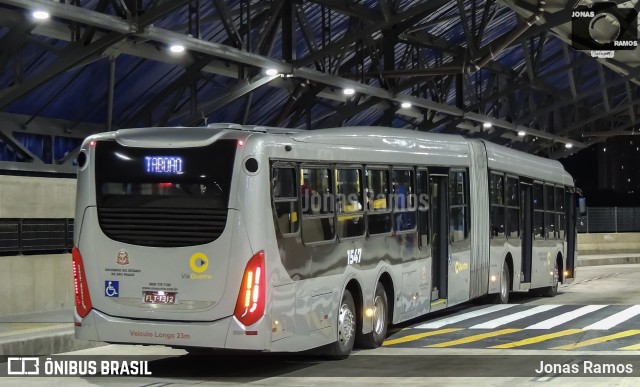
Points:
(199, 262)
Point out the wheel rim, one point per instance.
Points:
(504, 287)
(346, 326)
(378, 315)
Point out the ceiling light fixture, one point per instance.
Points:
(348, 91)
(406, 105)
(522, 133)
(487, 125)
(40, 15)
(177, 48)
(568, 145)
(271, 72)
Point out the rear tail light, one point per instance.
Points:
(251, 298)
(83, 299)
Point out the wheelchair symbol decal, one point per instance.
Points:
(111, 288)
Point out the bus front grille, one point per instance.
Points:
(162, 227)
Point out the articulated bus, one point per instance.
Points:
(275, 240)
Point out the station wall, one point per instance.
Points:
(36, 283)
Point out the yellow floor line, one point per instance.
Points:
(538, 339)
(419, 336)
(599, 340)
(630, 348)
(471, 339)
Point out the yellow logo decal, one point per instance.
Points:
(460, 266)
(199, 262)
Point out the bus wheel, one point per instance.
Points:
(505, 279)
(346, 327)
(376, 337)
(551, 291)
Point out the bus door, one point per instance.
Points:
(526, 209)
(438, 188)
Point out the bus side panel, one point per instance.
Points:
(479, 221)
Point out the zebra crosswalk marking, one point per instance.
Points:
(419, 336)
(599, 340)
(513, 317)
(465, 316)
(565, 317)
(616, 319)
(471, 339)
(538, 339)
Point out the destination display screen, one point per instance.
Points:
(163, 164)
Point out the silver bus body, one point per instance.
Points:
(305, 283)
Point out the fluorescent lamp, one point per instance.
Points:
(177, 48)
(40, 15)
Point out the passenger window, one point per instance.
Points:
(548, 195)
(496, 192)
(403, 200)
(284, 183)
(496, 189)
(349, 203)
(549, 214)
(377, 201)
(512, 200)
(423, 207)
(538, 215)
(458, 206)
(560, 212)
(537, 197)
(559, 199)
(285, 199)
(317, 205)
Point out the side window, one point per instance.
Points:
(560, 212)
(423, 208)
(317, 205)
(538, 211)
(403, 198)
(513, 207)
(549, 212)
(458, 206)
(285, 199)
(496, 192)
(349, 203)
(377, 197)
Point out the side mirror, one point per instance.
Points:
(582, 206)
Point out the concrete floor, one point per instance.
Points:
(616, 285)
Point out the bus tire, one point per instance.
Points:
(346, 328)
(551, 291)
(505, 279)
(375, 338)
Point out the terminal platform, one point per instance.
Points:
(52, 332)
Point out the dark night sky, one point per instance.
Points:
(608, 172)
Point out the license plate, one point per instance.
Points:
(159, 297)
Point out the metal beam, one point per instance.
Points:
(227, 23)
(407, 18)
(191, 74)
(78, 52)
(241, 89)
